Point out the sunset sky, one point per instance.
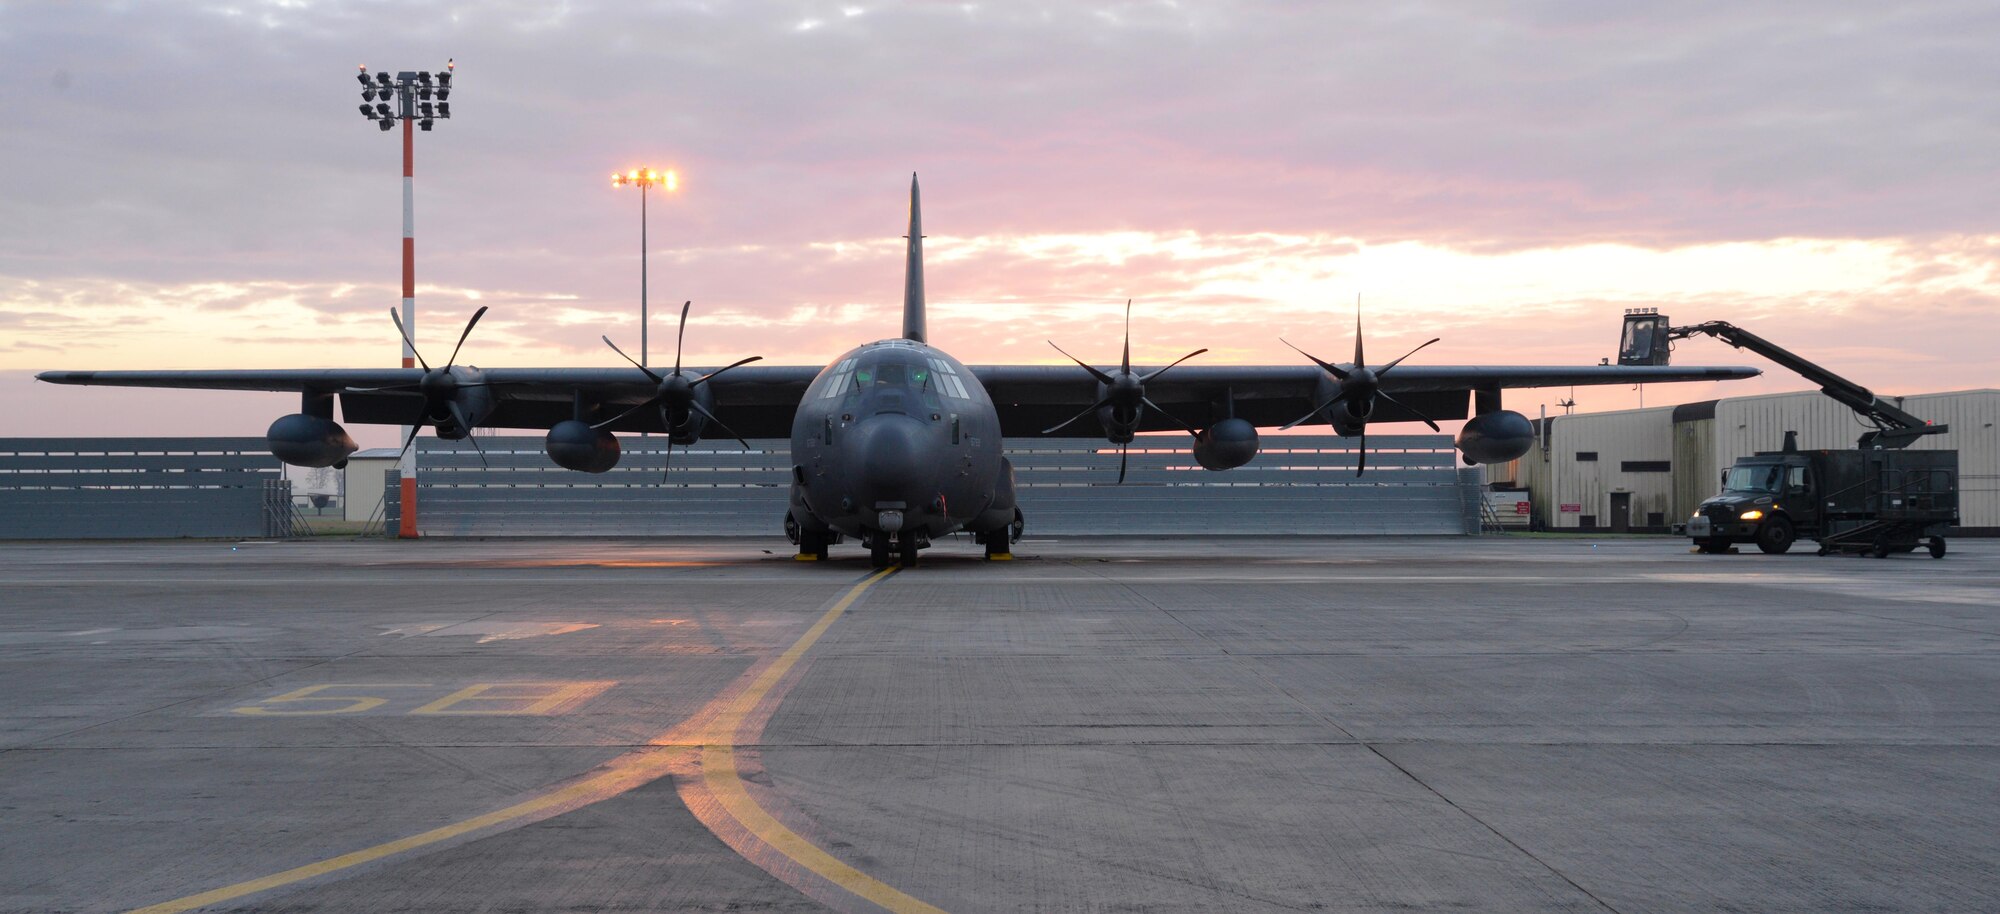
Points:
(189, 185)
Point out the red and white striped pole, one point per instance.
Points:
(407, 528)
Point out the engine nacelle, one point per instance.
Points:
(1496, 437)
(574, 445)
(1226, 445)
(309, 441)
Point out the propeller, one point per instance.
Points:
(674, 394)
(438, 385)
(1124, 392)
(1360, 387)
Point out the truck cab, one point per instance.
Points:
(1766, 499)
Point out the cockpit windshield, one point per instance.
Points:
(887, 373)
(891, 382)
(1755, 478)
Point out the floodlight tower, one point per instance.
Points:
(644, 179)
(418, 99)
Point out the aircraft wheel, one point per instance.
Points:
(1937, 547)
(909, 552)
(878, 551)
(1776, 536)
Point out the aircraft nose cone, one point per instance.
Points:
(887, 454)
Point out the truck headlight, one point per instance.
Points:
(1751, 514)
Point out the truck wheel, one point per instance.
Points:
(1775, 536)
(1937, 547)
(1881, 550)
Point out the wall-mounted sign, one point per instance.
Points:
(1572, 509)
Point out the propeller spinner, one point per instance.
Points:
(675, 394)
(440, 387)
(1360, 387)
(1125, 394)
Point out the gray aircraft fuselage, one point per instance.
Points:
(897, 437)
(896, 442)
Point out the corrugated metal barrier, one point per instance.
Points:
(117, 488)
(1301, 484)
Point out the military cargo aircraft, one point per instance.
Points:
(895, 443)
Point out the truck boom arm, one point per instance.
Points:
(1894, 428)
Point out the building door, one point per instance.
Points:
(1621, 512)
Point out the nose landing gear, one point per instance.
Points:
(884, 548)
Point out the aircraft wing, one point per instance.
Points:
(1032, 398)
(756, 401)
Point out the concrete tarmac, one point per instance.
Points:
(1490, 724)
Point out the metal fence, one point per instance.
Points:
(116, 488)
(1298, 485)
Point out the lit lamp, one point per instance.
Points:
(645, 179)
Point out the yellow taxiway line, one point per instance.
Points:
(725, 717)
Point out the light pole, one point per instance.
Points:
(645, 179)
(418, 99)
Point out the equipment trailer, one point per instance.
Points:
(1876, 498)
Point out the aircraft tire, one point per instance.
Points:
(908, 552)
(878, 550)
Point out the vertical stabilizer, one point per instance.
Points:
(913, 273)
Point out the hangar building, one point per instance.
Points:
(1647, 469)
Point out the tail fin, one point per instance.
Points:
(913, 273)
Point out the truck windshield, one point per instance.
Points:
(1754, 478)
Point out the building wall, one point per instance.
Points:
(364, 486)
(1617, 439)
(1697, 474)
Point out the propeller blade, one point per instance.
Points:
(415, 427)
(1329, 367)
(628, 412)
(1122, 450)
(736, 364)
(482, 451)
(1336, 398)
(635, 362)
(1172, 364)
(667, 466)
(458, 416)
(1361, 456)
(1155, 407)
(398, 319)
(1125, 360)
(1087, 411)
(680, 338)
(1385, 369)
(476, 315)
(1101, 377)
(1419, 414)
(719, 423)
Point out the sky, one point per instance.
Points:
(191, 185)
